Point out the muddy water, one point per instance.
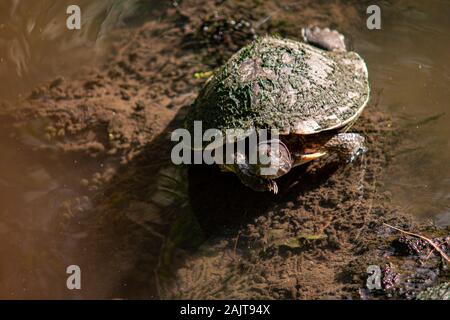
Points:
(409, 61)
(35, 47)
(410, 73)
(35, 43)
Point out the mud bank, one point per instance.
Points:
(143, 228)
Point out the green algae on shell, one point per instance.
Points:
(282, 84)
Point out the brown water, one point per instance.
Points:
(35, 43)
(409, 61)
(409, 67)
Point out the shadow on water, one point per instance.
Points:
(222, 204)
(152, 210)
(134, 213)
(132, 235)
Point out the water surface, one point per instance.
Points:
(409, 63)
(409, 68)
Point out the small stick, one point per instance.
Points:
(436, 247)
(429, 254)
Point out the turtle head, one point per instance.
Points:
(274, 159)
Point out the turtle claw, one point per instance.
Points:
(358, 153)
(260, 185)
(274, 187)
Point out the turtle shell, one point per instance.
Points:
(286, 85)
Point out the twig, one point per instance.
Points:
(436, 247)
(429, 254)
(262, 21)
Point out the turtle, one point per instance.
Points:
(311, 92)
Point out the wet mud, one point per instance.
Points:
(141, 227)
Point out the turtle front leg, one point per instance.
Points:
(274, 160)
(254, 182)
(348, 146)
(327, 39)
(245, 173)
